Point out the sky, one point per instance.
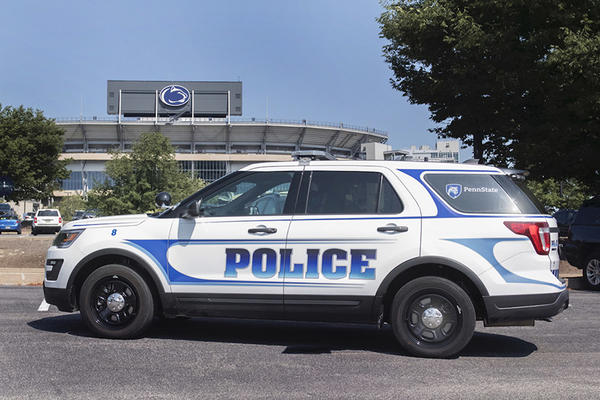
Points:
(319, 60)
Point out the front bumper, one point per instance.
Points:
(61, 298)
(525, 307)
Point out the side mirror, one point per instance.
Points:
(194, 210)
(163, 200)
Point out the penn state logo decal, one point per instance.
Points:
(454, 190)
(174, 95)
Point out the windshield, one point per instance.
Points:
(4, 207)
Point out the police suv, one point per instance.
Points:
(429, 248)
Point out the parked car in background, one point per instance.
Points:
(5, 209)
(78, 214)
(90, 214)
(564, 217)
(28, 218)
(10, 223)
(583, 244)
(46, 220)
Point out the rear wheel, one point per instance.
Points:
(591, 271)
(116, 302)
(33, 231)
(433, 317)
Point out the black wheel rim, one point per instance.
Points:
(114, 301)
(432, 318)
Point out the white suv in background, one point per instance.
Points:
(428, 248)
(46, 220)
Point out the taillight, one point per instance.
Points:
(35, 220)
(60, 220)
(537, 232)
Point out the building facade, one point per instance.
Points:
(204, 124)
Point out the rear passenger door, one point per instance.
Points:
(350, 229)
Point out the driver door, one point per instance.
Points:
(226, 262)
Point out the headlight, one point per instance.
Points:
(66, 238)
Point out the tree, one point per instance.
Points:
(137, 177)
(519, 80)
(69, 204)
(30, 145)
(554, 194)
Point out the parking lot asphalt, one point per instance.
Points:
(49, 354)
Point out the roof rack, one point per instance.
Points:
(312, 155)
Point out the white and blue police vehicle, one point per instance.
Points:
(428, 248)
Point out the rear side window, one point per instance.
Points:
(348, 192)
(482, 193)
(588, 216)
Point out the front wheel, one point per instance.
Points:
(116, 302)
(433, 317)
(591, 271)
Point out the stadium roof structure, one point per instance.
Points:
(220, 135)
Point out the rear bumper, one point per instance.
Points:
(60, 298)
(49, 228)
(525, 307)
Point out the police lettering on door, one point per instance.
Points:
(265, 263)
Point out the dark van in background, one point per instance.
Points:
(583, 244)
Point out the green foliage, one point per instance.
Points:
(139, 176)
(69, 204)
(517, 79)
(554, 194)
(30, 145)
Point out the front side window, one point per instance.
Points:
(348, 192)
(259, 193)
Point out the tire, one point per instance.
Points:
(450, 317)
(591, 271)
(19, 232)
(33, 232)
(102, 316)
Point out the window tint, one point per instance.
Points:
(347, 192)
(521, 195)
(47, 213)
(473, 193)
(588, 215)
(389, 203)
(259, 193)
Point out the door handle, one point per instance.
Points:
(262, 229)
(392, 228)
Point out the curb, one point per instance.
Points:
(21, 276)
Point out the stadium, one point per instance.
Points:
(203, 121)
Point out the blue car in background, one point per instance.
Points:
(10, 223)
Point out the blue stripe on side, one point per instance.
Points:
(156, 250)
(485, 248)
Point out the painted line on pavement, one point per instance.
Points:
(44, 306)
